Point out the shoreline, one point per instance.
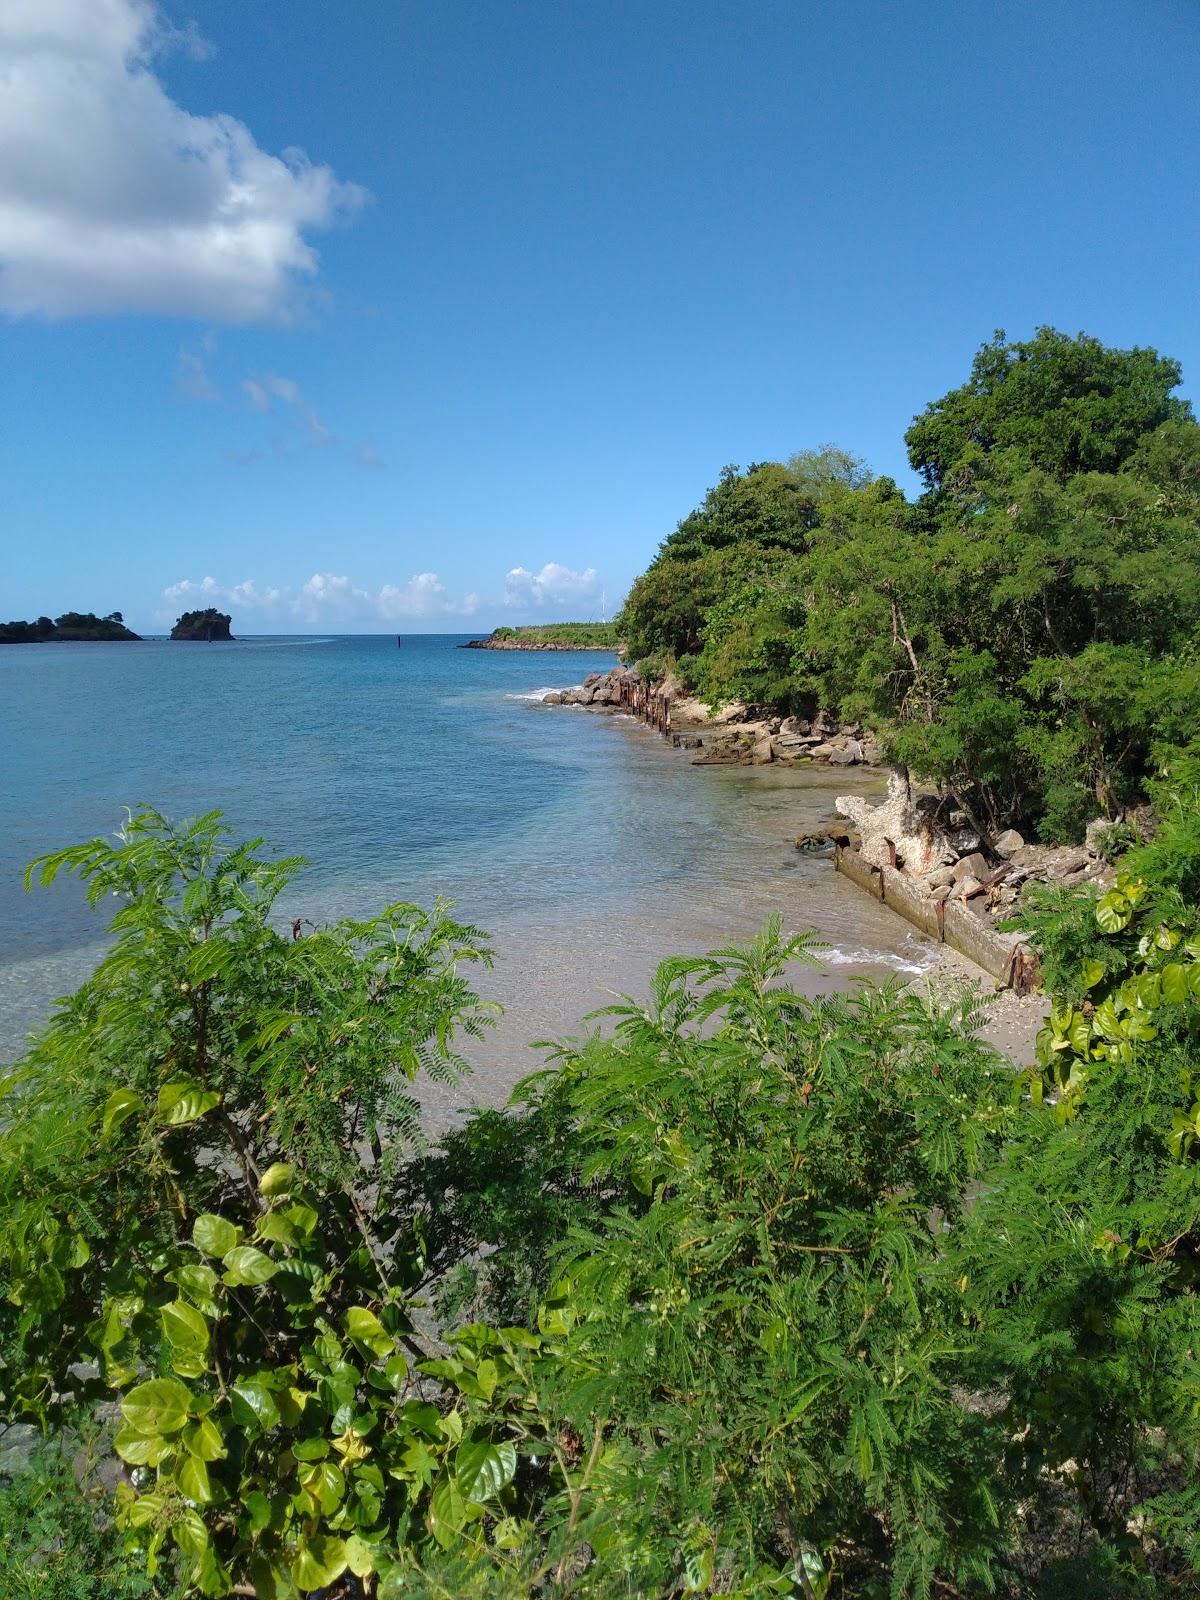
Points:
(1016, 1008)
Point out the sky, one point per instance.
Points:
(391, 317)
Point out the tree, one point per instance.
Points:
(1061, 404)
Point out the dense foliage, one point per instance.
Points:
(1027, 632)
(750, 1294)
(80, 625)
(581, 635)
(207, 624)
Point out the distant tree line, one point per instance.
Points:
(77, 625)
(1026, 631)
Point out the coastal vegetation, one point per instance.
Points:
(747, 1294)
(71, 626)
(554, 636)
(1026, 632)
(208, 624)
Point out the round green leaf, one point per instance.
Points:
(320, 1562)
(253, 1406)
(160, 1406)
(214, 1235)
(192, 1478)
(246, 1265)
(482, 1469)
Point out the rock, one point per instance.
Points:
(794, 726)
(1007, 845)
(747, 746)
(813, 843)
(972, 866)
(1061, 870)
(688, 712)
(940, 891)
(821, 752)
(940, 877)
(735, 711)
(872, 751)
(851, 730)
(847, 755)
(554, 698)
(967, 888)
(689, 741)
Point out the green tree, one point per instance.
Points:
(1061, 404)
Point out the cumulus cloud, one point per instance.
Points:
(334, 600)
(553, 585)
(113, 198)
(326, 599)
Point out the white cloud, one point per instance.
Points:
(335, 600)
(262, 393)
(113, 198)
(326, 599)
(553, 585)
(367, 456)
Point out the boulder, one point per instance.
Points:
(1007, 845)
(745, 746)
(554, 698)
(940, 891)
(688, 712)
(940, 877)
(792, 726)
(847, 754)
(967, 888)
(821, 752)
(972, 866)
(735, 711)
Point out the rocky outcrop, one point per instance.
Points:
(210, 625)
(728, 735)
(927, 840)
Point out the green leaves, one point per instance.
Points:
(482, 1468)
(160, 1406)
(246, 1265)
(121, 1104)
(320, 1561)
(179, 1103)
(186, 1333)
(215, 1236)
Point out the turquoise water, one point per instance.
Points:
(584, 843)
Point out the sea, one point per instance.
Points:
(407, 769)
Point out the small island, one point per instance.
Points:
(551, 636)
(72, 627)
(208, 624)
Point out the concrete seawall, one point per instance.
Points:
(1006, 959)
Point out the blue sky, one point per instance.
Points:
(540, 272)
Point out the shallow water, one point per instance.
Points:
(584, 843)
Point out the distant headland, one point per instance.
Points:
(209, 624)
(551, 636)
(71, 627)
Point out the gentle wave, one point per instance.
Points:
(874, 958)
(540, 694)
